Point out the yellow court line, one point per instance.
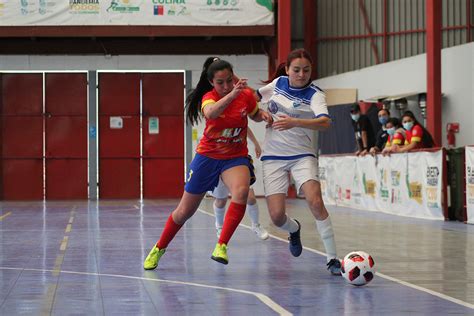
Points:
(64, 243)
(5, 215)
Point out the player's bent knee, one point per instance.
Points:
(220, 203)
(240, 194)
(317, 205)
(278, 219)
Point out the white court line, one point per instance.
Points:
(262, 297)
(384, 276)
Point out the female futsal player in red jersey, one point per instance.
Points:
(221, 153)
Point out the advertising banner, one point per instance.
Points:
(407, 184)
(344, 179)
(382, 168)
(470, 184)
(425, 184)
(328, 185)
(394, 197)
(136, 12)
(366, 184)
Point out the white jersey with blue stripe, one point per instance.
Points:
(308, 102)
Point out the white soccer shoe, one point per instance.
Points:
(260, 231)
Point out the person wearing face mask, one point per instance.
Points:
(396, 136)
(382, 135)
(363, 131)
(416, 135)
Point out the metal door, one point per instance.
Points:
(21, 106)
(163, 135)
(119, 135)
(66, 135)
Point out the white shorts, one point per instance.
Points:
(275, 174)
(221, 191)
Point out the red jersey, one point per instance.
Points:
(225, 137)
(414, 135)
(397, 139)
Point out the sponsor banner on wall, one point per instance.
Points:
(383, 186)
(425, 184)
(401, 184)
(136, 12)
(344, 179)
(328, 185)
(366, 183)
(470, 184)
(393, 193)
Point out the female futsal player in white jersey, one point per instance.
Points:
(298, 108)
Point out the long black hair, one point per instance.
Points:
(427, 140)
(194, 98)
(395, 122)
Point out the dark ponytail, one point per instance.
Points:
(194, 98)
(280, 71)
(294, 54)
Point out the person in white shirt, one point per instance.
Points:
(298, 108)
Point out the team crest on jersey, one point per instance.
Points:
(272, 107)
(243, 113)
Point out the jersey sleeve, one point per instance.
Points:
(207, 99)
(266, 92)
(252, 106)
(319, 105)
(398, 139)
(389, 142)
(417, 134)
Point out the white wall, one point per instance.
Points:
(253, 67)
(409, 75)
(402, 76)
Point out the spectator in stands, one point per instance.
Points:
(363, 131)
(396, 136)
(382, 135)
(416, 135)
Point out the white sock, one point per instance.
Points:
(324, 228)
(219, 212)
(253, 213)
(290, 225)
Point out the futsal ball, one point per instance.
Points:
(358, 268)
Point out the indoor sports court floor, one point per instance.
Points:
(85, 258)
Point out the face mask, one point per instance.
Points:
(391, 131)
(383, 120)
(355, 117)
(408, 125)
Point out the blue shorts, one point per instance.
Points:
(204, 172)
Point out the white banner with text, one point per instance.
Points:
(470, 183)
(136, 12)
(407, 184)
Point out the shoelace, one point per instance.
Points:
(332, 262)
